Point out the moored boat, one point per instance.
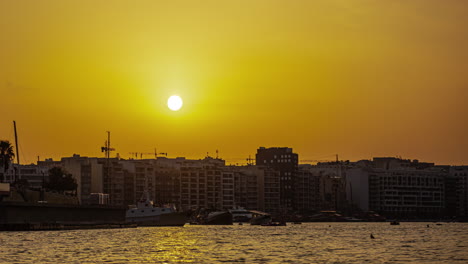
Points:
(146, 214)
(240, 214)
(218, 218)
(260, 218)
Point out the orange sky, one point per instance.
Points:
(357, 78)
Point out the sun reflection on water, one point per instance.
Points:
(306, 243)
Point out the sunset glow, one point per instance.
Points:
(358, 78)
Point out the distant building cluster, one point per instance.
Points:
(276, 183)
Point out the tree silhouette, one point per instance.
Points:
(6, 156)
(60, 180)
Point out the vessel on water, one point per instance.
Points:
(146, 214)
(240, 214)
(259, 218)
(218, 218)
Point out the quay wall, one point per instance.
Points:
(17, 213)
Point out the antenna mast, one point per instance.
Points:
(107, 148)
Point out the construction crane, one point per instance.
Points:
(336, 160)
(135, 154)
(250, 161)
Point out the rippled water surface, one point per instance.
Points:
(306, 243)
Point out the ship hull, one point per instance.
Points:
(170, 219)
(220, 219)
(34, 216)
(260, 220)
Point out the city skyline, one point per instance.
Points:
(359, 79)
(253, 131)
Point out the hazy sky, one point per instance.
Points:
(357, 78)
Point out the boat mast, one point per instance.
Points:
(16, 142)
(107, 149)
(17, 173)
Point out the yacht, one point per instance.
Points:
(240, 214)
(218, 218)
(146, 214)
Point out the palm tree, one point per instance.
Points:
(6, 156)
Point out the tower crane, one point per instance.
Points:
(136, 154)
(336, 160)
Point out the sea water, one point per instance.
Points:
(304, 243)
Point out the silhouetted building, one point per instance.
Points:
(206, 184)
(257, 188)
(308, 197)
(398, 188)
(34, 175)
(327, 185)
(87, 172)
(98, 198)
(113, 180)
(460, 175)
(166, 184)
(286, 162)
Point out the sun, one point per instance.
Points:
(174, 102)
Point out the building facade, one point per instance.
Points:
(286, 162)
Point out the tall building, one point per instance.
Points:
(138, 178)
(460, 175)
(113, 180)
(166, 183)
(206, 184)
(87, 172)
(398, 188)
(257, 188)
(308, 196)
(286, 162)
(324, 183)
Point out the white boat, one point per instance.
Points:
(146, 214)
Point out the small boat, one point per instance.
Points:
(260, 218)
(394, 223)
(146, 214)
